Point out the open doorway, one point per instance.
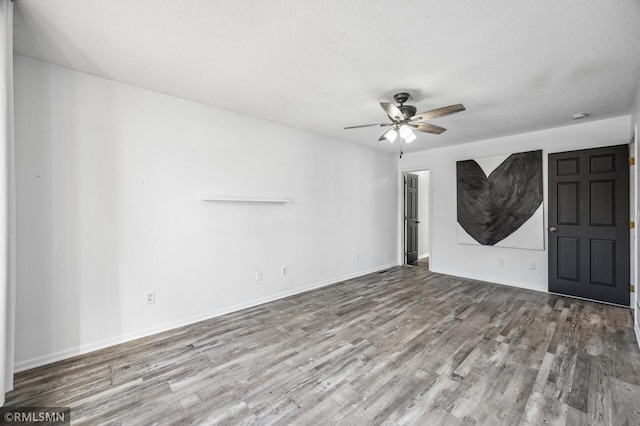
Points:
(416, 218)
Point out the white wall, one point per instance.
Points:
(481, 262)
(109, 179)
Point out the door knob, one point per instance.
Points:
(553, 229)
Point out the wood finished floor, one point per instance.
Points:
(401, 347)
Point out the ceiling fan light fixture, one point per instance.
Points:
(410, 138)
(407, 134)
(391, 135)
(405, 131)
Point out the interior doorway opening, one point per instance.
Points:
(415, 246)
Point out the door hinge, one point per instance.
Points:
(632, 225)
(632, 161)
(632, 288)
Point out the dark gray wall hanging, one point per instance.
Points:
(500, 201)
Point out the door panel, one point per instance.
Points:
(569, 258)
(568, 202)
(589, 224)
(602, 209)
(603, 262)
(411, 213)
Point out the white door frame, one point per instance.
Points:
(401, 243)
(635, 263)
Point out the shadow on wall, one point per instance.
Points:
(67, 227)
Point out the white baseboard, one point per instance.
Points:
(488, 279)
(91, 347)
(521, 285)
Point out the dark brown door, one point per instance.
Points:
(411, 214)
(589, 224)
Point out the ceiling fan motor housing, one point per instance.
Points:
(401, 97)
(408, 111)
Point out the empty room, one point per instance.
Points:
(313, 213)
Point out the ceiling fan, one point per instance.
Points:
(405, 120)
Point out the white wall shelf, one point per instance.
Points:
(245, 199)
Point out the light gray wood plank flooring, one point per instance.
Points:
(405, 346)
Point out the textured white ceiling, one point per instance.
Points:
(516, 65)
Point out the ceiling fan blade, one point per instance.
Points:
(428, 128)
(438, 112)
(369, 125)
(392, 111)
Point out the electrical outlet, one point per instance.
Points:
(501, 262)
(532, 265)
(150, 297)
(284, 271)
(259, 276)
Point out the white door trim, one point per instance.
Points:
(401, 243)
